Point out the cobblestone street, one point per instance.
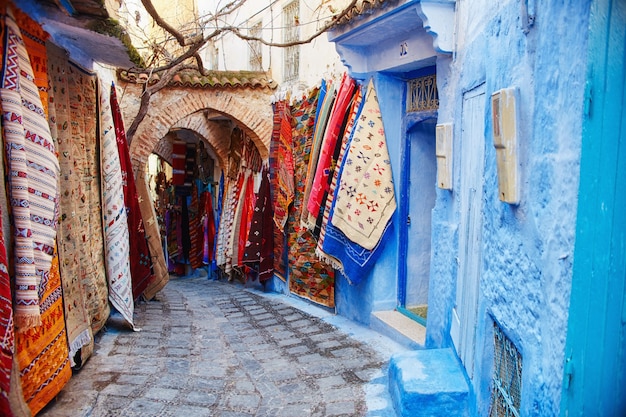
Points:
(210, 348)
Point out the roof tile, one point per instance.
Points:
(212, 79)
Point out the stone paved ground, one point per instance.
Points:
(210, 348)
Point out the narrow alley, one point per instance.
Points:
(212, 348)
(363, 208)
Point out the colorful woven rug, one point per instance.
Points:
(353, 114)
(324, 105)
(114, 214)
(246, 203)
(308, 276)
(208, 227)
(179, 154)
(195, 229)
(140, 265)
(259, 251)
(321, 181)
(153, 237)
(281, 164)
(43, 354)
(72, 123)
(32, 169)
(365, 199)
(234, 219)
(7, 339)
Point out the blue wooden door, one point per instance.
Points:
(595, 368)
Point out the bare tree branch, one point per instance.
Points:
(162, 23)
(191, 52)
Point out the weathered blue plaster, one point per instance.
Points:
(526, 269)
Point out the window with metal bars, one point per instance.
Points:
(291, 33)
(422, 94)
(506, 392)
(256, 53)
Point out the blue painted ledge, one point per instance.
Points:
(428, 383)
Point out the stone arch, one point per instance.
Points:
(212, 132)
(250, 109)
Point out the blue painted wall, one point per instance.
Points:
(527, 249)
(526, 270)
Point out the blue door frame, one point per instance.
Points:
(595, 355)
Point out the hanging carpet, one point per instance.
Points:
(32, 169)
(140, 265)
(114, 214)
(41, 340)
(324, 105)
(259, 250)
(196, 232)
(308, 276)
(321, 182)
(353, 114)
(281, 186)
(160, 274)
(80, 241)
(43, 354)
(365, 199)
(7, 338)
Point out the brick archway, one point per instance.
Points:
(170, 108)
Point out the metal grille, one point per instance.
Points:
(256, 53)
(507, 377)
(291, 33)
(423, 94)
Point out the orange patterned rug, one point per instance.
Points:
(43, 355)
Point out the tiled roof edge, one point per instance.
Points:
(212, 79)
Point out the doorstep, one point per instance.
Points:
(399, 328)
(428, 383)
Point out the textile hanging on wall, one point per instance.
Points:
(308, 276)
(73, 127)
(7, 339)
(179, 159)
(33, 169)
(365, 199)
(114, 214)
(321, 182)
(43, 354)
(140, 264)
(281, 186)
(153, 237)
(259, 251)
(235, 153)
(353, 114)
(244, 212)
(218, 218)
(234, 221)
(224, 214)
(324, 105)
(281, 164)
(195, 229)
(208, 226)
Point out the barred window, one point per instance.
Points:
(256, 53)
(291, 33)
(422, 94)
(507, 377)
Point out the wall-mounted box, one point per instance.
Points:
(505, 122)
(443, 151)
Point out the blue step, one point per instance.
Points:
(430, 382)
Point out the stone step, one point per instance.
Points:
(399, 328)
(428, 383)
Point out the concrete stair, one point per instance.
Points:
(428, 383)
